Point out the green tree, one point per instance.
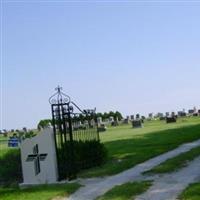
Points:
(118, 115)
(44, 123)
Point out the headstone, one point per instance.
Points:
(170, 119)
(114, 123)
(191, 111)
(38, 156)
(99, 121)
(159, 115)
(136, 124)
(111, 119)
(76, 125)
(86, 124)
(102, 128)
(126, 121)
(150, 115)
(167, 114)
(106, 121)
(116, 119)
(173, 114)
(92, 123)
(137, 116)
(181, 114)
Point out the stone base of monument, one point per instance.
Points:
(26, 185)
(39, 161)
(136, 124)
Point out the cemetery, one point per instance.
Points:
(80, 144)
(125, 125)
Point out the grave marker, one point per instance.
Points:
(38, 157)
(137, 124)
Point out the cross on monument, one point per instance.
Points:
(36, 157)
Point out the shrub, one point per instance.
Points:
(10, 167)
(86, 154)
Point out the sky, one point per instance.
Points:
(130, 56)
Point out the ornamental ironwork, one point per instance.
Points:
(71, 125)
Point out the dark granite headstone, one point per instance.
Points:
(126, 121)
(136, 124)
(114, 123)
(137, 116)
(171, 119)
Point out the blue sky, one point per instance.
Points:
(132, 57)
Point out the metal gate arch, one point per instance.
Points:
(65, 116)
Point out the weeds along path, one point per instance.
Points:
(92, 188)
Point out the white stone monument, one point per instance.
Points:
(39, 161)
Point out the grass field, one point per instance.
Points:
(126, 191)
(128, 147)
(3, 144)
(45, 192)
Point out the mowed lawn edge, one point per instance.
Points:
(192, 192)
(175, 163)
(43, 192)
(126, 191)
(126, 153)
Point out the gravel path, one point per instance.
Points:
(97, 187)
(169, 186)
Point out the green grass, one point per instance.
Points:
(4, 145)
(128, 147)
(192, 192)
(175, 163)
(126, 191)
(45, 192)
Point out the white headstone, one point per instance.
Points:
(39, 162)
(111, 119)
(99, 120)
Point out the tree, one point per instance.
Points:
(105, 116)
(118, 115)
(44, 123)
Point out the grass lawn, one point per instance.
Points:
(3, 145)
(175, 163)
(126, 191)
(192, 192)
(127, 146)
(38, 192)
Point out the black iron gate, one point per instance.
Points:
(71, 125)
